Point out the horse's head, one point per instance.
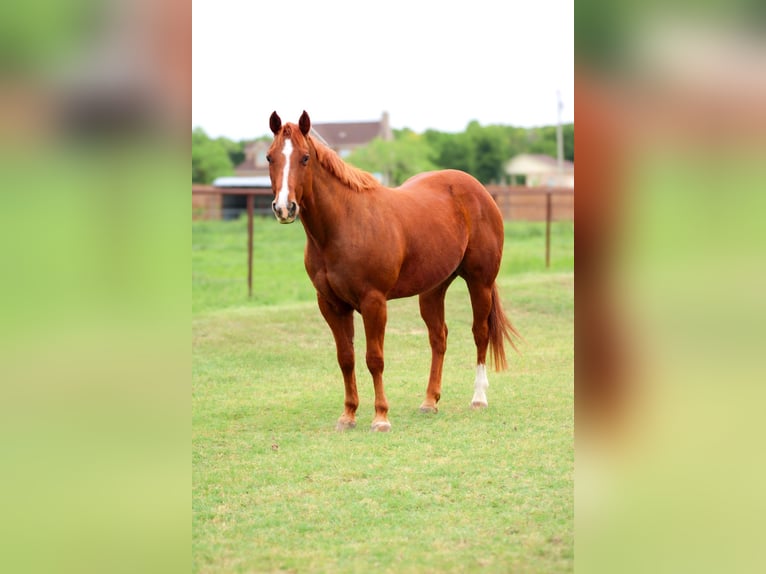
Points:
(288, 157)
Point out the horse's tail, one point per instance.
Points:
(500, 328)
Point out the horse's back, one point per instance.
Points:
(462, 187)
(443, 178)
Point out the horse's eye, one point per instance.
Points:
(305, 159)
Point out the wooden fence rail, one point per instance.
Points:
(518, 203)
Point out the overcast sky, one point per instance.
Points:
(429, 64)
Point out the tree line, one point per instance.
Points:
(480, 150)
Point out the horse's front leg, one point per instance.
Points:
(374, 314)
(341, 322)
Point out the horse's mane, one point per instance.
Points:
(357, 179)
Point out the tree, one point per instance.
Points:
(567, 131)
(482, 151)
(397, 160)
(451, 151)
(209, 158)
(235, 150)
(491, 151)
(543, 140)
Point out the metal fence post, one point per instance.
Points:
(250, 201)
(548, 216)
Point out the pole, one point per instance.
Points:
(559, 136)
(250, 201)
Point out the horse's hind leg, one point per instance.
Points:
(432, 311)
(341, 322)
(481, 301)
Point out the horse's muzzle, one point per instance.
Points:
(285, 214)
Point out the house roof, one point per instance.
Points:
(334, 135)
(349, 133)
(536, 163)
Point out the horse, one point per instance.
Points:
(367, 244)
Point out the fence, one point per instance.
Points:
(210, 202)
(516, 203)
(519, 203)
(547, 204)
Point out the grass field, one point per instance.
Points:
(277, 489)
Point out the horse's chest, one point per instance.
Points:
(332, 284)
(348, 281)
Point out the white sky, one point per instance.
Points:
(430, 64)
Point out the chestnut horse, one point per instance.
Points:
(366, 244)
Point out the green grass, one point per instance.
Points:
(277, 489)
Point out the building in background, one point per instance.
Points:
(539, 170)
(343, 137)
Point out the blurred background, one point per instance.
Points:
(94, 297)
(670, 282)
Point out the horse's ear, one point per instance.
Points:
(304, 123)
(275, 123)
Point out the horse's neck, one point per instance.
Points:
(327, 212)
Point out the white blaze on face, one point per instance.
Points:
(480, 386)
(284, 190)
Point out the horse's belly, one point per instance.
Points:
(433, 254)
(410, 287)
(423, 273)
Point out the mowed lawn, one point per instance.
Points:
(277, 489)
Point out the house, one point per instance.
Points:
(343, 137)
(254, 164)
(540, 170)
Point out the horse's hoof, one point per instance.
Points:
(479, 405)
(345, 425)
(428, 409)
(381, 426)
